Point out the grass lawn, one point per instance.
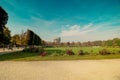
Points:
(60, 54)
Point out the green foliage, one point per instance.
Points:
(104, 52)
(109, 43)
(116, 42)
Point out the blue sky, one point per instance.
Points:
(72, 20)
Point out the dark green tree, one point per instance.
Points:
(29, 37)
(32, 38)
(3, 22)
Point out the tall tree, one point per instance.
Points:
(29, 37)
(32, 38)
(3, 21)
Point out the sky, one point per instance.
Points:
(72, 20)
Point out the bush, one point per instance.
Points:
(81, 52)
(44, 53)
(104, 52)
(69, 52)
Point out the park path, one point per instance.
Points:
(61, 70)
(2, 51)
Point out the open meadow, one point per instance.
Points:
(64, 53)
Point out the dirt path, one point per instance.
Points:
(61, 70)
(8, 50)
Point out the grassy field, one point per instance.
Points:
(60, 54)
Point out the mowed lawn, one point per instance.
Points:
(92, 53)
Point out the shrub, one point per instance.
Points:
(104, 52)
(69, 52)
(44, 53)
(81, 52)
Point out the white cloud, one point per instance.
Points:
(87, 26)
(90, 32)
(76, 30)
(75, 27)
(72, 31)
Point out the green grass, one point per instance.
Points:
(60, 54)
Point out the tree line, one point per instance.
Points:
(111, 43)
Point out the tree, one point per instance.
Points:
(116, 42)
(23, 38)
(7, 36)
(32, 38)
(109, 43)
(98, 43)
(3, 21)
(16, 40)
(29, 37)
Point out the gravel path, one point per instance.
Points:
(61, 70)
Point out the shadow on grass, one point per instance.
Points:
(27, 55)
(55, 51)
(16, 55)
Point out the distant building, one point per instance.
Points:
(57, 40)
